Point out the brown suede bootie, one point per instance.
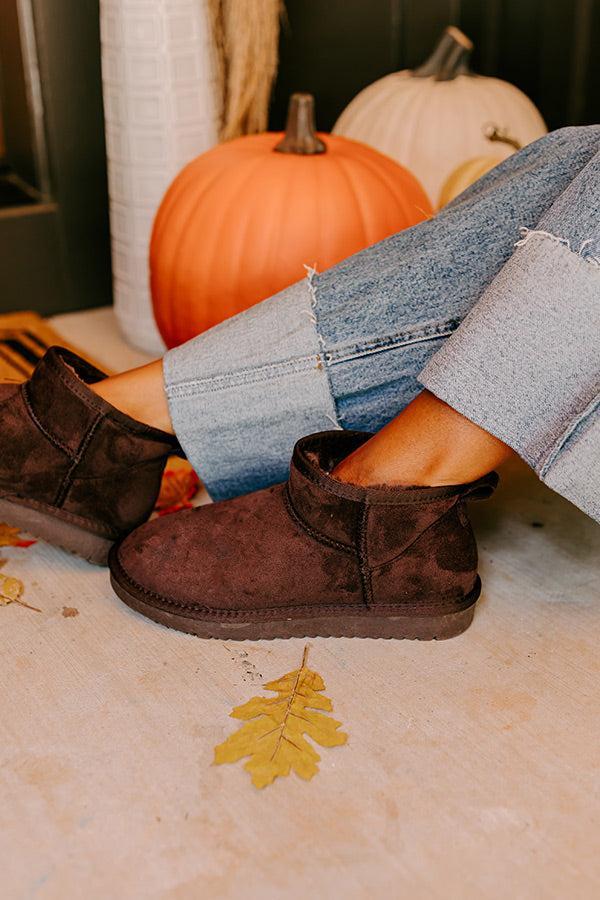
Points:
(73, 469)
(310, 557)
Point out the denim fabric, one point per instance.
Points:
(419, 284)
(525, 363)
(364, 330)
(244, 392)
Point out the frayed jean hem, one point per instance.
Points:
(509, 369)
(243, 393)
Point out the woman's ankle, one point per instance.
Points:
(368, 467)
(427, 444)
(140, 394)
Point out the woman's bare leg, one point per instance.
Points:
(140, 393)
(428, 443)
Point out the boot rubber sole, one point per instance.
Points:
(365, 624)
(48, 525)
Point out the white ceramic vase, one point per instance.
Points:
(160, 110)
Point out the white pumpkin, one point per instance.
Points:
(433, 118)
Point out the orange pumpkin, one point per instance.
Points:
(240, 222)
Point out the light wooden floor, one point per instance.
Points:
(472, 768)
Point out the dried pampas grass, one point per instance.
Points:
(246, 38)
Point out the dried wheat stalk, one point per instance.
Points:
(246, 36)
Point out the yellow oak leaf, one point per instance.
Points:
(274, 734)
(11, 590)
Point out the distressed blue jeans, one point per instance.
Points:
(493, 305)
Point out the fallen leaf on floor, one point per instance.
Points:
(10, 537)
(11, 590)
(69, 612)
(273, 737)
(179, 485)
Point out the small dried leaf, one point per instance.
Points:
(273, 736)
(179, 485)
(11, 590)
(10, 537)
(69, 612)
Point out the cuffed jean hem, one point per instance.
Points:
(509, 368)
(248, 390)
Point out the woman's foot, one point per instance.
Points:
(428, 443)
(310, 557)
(74, 470)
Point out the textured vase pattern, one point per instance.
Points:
(160, 109)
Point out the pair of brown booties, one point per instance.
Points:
(309, 557)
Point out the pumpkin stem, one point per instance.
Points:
(450, 57)
(300, 130)
(493, 133)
